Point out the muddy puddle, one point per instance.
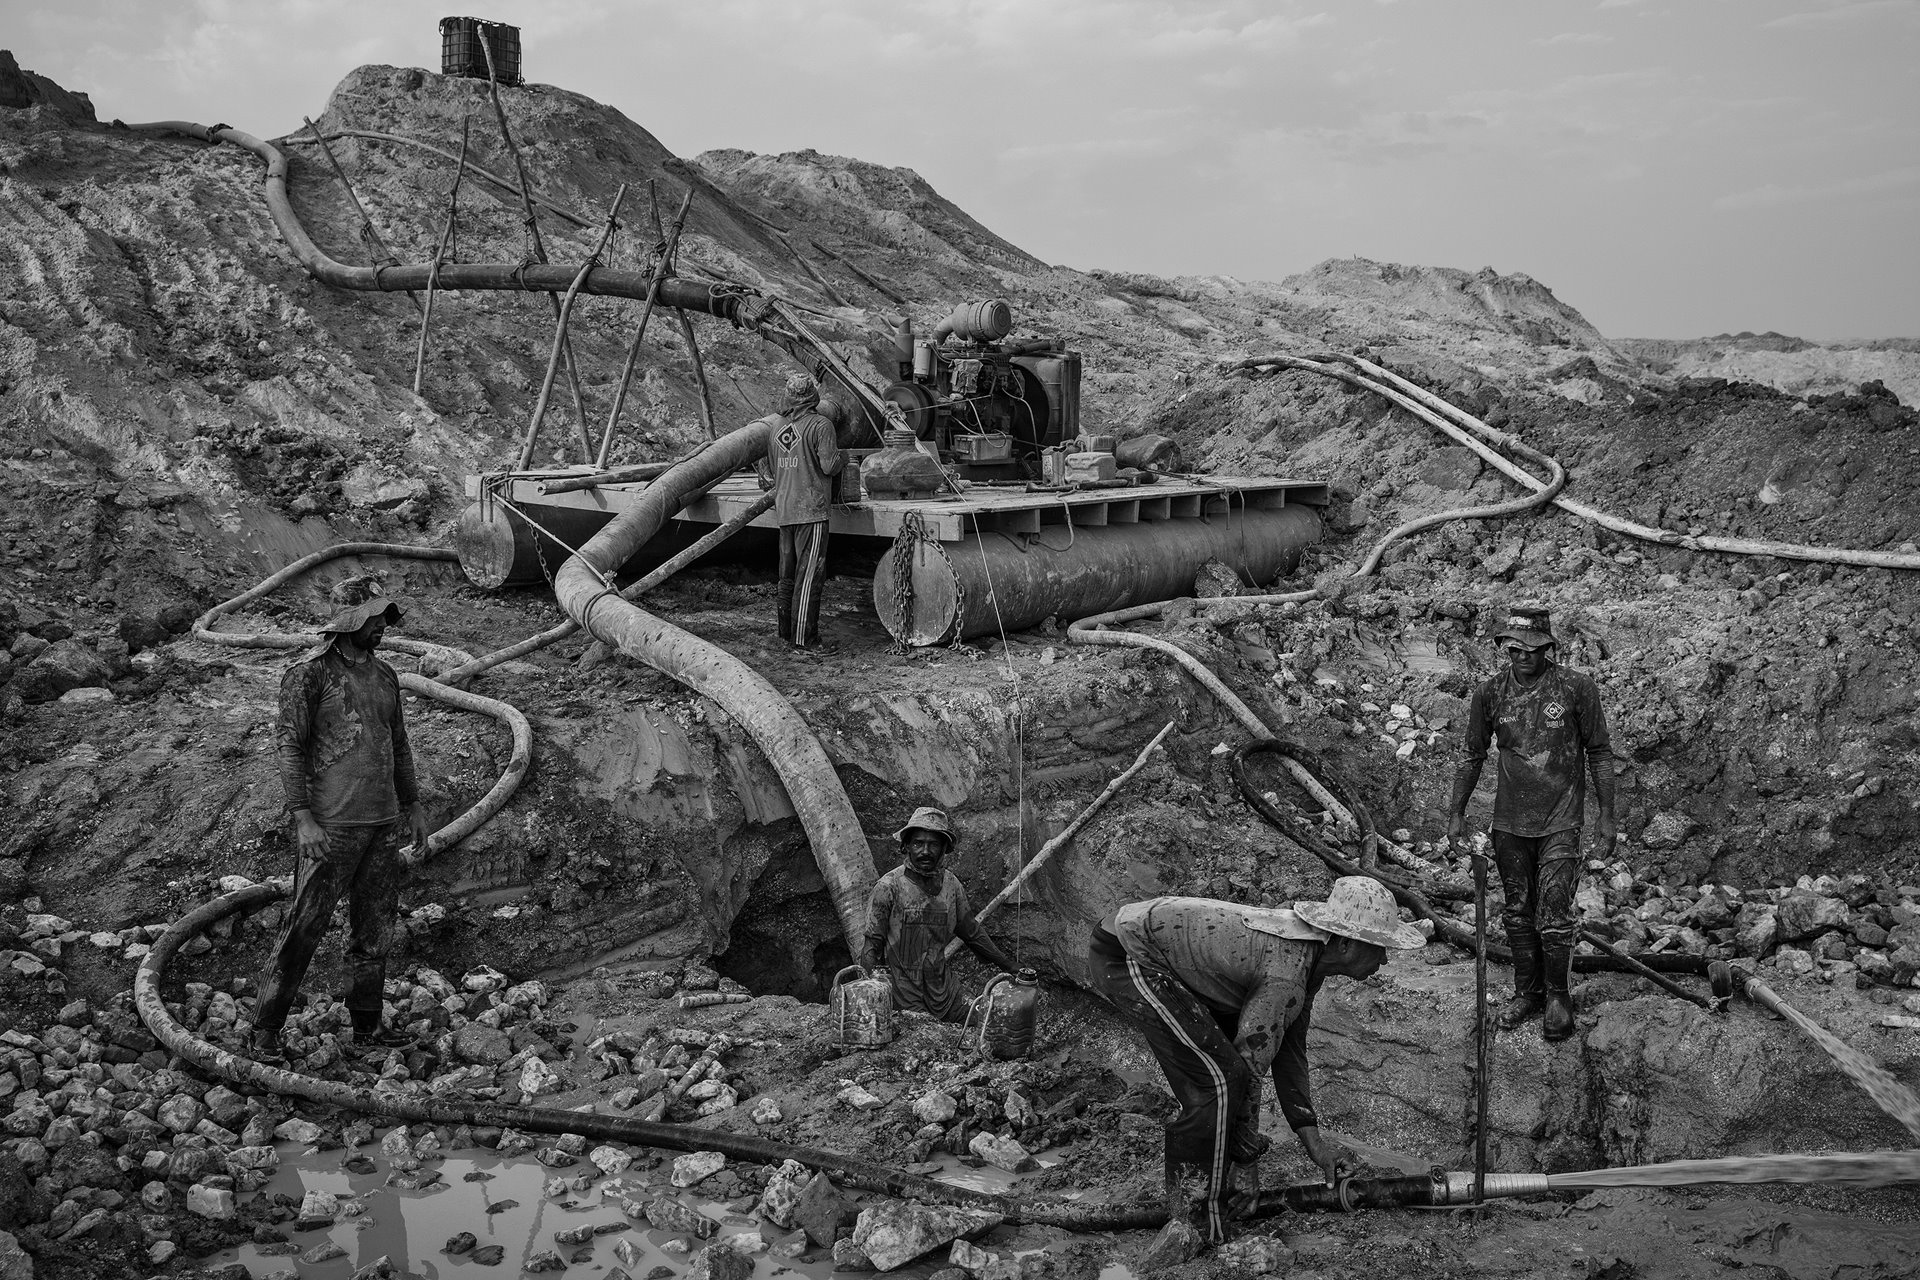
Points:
(503, 1202)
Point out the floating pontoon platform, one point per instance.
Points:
(990, 558)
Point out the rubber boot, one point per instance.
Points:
(1529, 981)
(1558, 1024)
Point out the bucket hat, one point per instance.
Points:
(1530, 624)
(928, 818)
(1361, 907)
(350, 620)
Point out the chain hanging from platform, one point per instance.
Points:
(913, 533)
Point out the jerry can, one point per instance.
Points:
(861, 1008)
(1011, 1008)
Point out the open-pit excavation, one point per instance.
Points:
(1154, 672)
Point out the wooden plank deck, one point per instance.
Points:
(951, 517)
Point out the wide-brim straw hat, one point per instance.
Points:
(348, 621)
(928, 818)
(1361, 907)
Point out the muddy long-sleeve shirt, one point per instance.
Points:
(1253, 962)
(342, 741)
(1549, 732)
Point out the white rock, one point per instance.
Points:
(304, 1132)
(232, 884)
(611, 1160)
(537, 1078)
(696, 1167)
(318, 1206)
(210, 1202)
(858, 1098)
(1001, 1153)
(766, 1111)
(935, 1107)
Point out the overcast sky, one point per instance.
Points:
(1672, 168)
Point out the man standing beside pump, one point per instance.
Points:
(1547, 722)
(803, 457)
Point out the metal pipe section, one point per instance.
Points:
(839, 846)
(984, 584)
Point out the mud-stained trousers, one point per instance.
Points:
(803, 579)
(364, 863)
(1538, 876)
(1194, 1046)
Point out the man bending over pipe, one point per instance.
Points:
(348, 775)
(1547, 722)
(915, 911)
(1223, 992)
(803, 457)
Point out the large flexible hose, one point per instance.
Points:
(560, 631)
(1458, 423)
(814, 789)
(508, 781)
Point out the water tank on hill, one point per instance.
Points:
(461, 54)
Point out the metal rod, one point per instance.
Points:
(1658, 979)
(565, 313)
(440, 252)
(640, 332)
(1060, 841)
(615, 475)
(367, 228)
(533, 222)
(1480, 1036)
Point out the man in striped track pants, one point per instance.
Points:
(803, 457)
(1223, 992)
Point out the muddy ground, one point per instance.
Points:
(182, 411)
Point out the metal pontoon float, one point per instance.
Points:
(991, 557)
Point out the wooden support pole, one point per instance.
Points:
(565, 313)
(367, 230)
(699, 372)
(640, 331)
(1060, 841)
(533, 222)
(440, 252)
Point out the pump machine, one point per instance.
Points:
(987, 405)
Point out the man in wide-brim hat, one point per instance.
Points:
(1547, 722)
(915, 911)
(1224, 992)
(347, 772)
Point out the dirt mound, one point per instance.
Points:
(1792, 365)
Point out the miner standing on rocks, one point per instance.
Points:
(348, 776)
(915, 911)
(1223, 992)
(1547, 722)
(803, 457)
